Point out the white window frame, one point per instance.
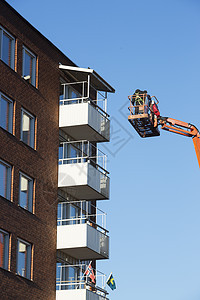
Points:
(32, 128)
(6, 248)
(10, 116)
(32, 78)
(12, 59)
(30, 191)
(8, 179)
(28, 258)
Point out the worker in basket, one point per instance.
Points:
(155, 113)
(138, 101)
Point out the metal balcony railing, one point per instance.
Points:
(80, 152)
(79, 92)
(72, 277)
(81, 215)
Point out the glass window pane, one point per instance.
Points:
(60, 151)
(29, 66)
(72, 215)
(3, 176)
(24, 259)
(28, 129)
(2, 243)
(7, 48)
(5, 181)
(71, 274)
(6, 114)
(24, 192)
(21, 259)
(6, 51)
(4, 249)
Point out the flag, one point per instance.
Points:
(90, 273)
(111, 283)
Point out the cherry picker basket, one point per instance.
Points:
(141, 116)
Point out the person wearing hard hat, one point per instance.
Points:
(138, 99)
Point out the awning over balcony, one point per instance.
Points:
(81, 74)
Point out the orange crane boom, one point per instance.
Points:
(185, 129)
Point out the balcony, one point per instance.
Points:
(82, 171)
(82, 235)
(72, 284)
(83, 99)
(81, 118)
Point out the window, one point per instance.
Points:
(26, 192)
(24, 259)
(28, 128)
(5, 180)
(7, 47)
(6, 113)
(29, 66)
(4, 249)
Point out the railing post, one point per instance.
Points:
(88, 149)
(81, 212)
(88, 87)
(87, 209)
(83, 89)
(106, 95)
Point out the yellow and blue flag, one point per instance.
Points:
(111, 282)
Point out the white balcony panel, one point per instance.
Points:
(79, 294)
(84, 121)
(83, 181)
(82, 241)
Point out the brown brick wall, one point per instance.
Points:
(39, 228)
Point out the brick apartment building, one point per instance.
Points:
(49, 220)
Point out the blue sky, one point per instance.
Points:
(153, 213)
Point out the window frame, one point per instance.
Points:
(30, 191)
(12, 51)
(5, 249)
(32, 128)
(32, 79)
(8, 180)
(28, 258)
(10, 113)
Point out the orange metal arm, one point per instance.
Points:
(185, 129)
(196, 141)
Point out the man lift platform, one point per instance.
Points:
(142, 117)
(145, 118)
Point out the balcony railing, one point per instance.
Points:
(82, 151)
(72, 277)
(79, 92)
(81, 215)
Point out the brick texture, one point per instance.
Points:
(41, 164)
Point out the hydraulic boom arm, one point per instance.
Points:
(183, 128)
